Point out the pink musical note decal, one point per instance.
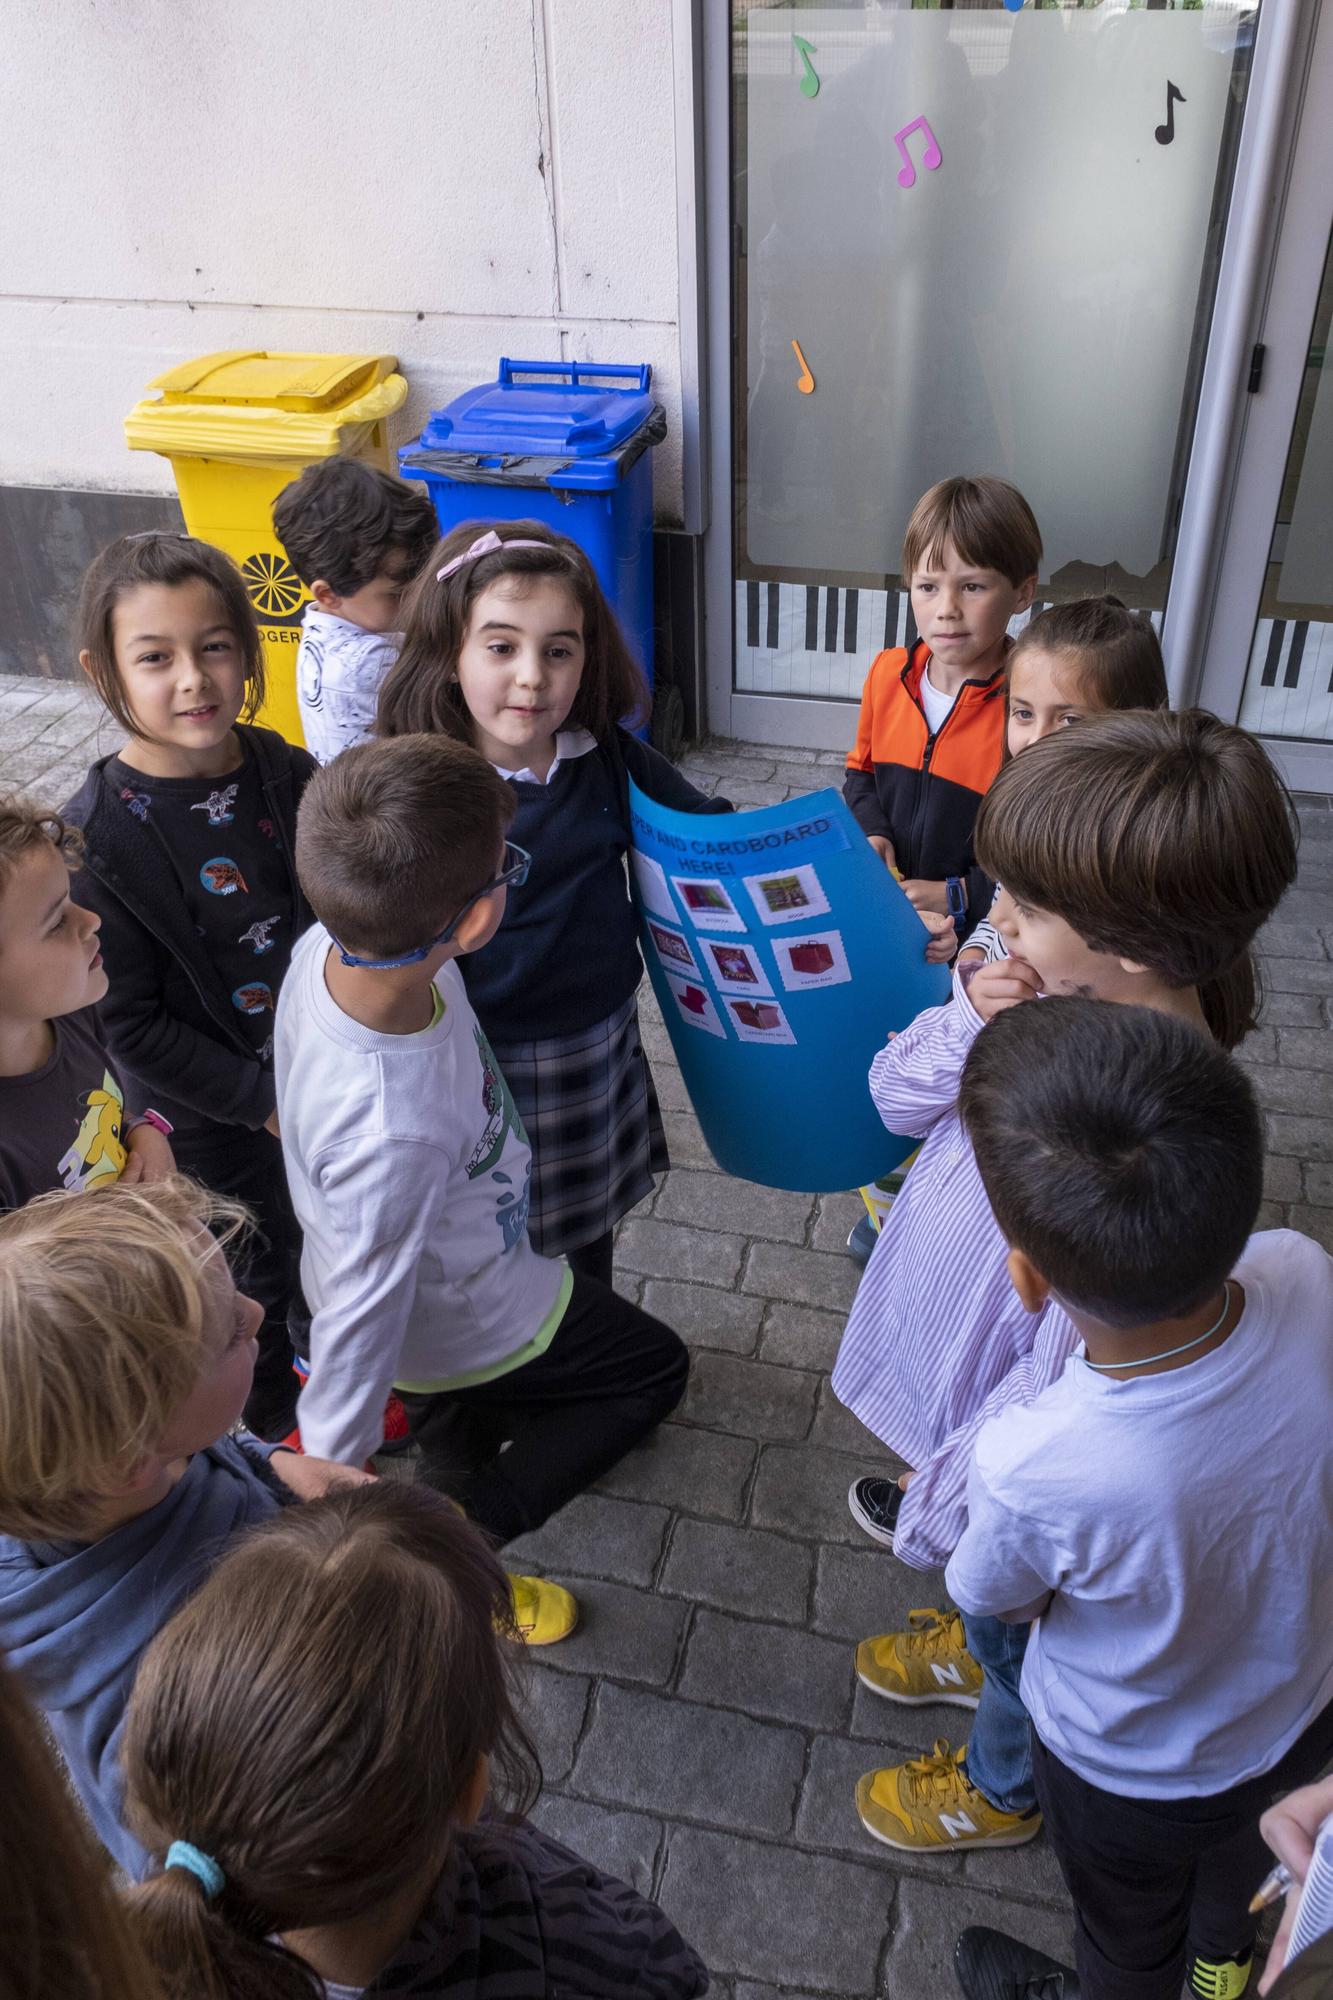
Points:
(930, 159)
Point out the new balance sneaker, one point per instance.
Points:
(927, 1806)
(874, 1505)
(928, 1662)
(991, 1966)
(544, 1612)
(1219, 1978)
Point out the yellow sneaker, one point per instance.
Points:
(927, 1806)
(926, 1663)
(1219, 1978)
(543, 1612)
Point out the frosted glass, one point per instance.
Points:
(1028, 308)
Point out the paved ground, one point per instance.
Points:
(701, 1733)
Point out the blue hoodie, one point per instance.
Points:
(75, 1617)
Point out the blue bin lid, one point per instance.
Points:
(567, 418)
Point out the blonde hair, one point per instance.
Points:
(102, 1307)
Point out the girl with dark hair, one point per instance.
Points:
(309, 1752)
(511, 647)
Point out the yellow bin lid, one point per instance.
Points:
(244, 404)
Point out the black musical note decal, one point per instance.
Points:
(1174, 96)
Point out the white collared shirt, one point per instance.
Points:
(569, 744)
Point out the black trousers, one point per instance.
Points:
(248, 1166)
(1153, 1879)
(610, 1374)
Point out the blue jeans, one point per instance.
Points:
(999, 1748)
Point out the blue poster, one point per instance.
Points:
(782, 953)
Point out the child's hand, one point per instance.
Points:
(884, 848)
(271, 1124)
(943, 937)
(1290, 1829)
(148, 1156)
(927, 896)
(312, 1478)
(1004, 984)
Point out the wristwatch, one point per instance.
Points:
(955, 890)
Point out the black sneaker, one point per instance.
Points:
(862, 1241)
(991, 1966)
(874, 1504)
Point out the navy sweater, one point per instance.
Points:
(567, 953)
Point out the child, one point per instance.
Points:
(62, 1110)
(523, 1382)
(930, 735)
(512, 647)
(126, 1354)
(1165, 1509)
(356, 538)
(188, 837)
(1139, 854)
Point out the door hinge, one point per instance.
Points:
(1257, 355)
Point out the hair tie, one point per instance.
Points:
(195, 1862)
(486, 545)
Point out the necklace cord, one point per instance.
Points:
(1145, 1360)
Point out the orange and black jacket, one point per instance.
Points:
(922, 791)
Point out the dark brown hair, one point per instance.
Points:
(25, 825)
(987, 520)
(421, 690)
(311, 1720)
(64, 1932)
(1114, 652)
(1121, 1151)
(392, 839)
(1166, 839)
(169, 559)
(346, 522)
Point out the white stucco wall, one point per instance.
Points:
(445, 180)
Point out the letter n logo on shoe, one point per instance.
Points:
(957, 1824)
(953, 1673)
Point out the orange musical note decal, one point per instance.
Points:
(805, 381)
(930, 159)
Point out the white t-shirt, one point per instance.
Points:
(339, 668)
(937, 706)
(1184, 1523)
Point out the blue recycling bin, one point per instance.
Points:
(572, 453)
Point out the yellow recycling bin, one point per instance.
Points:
(237, 427)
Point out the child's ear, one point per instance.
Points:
(1027, 590)
(86, 662)
(1027, 1281)
(325, 596)
(1135, 970)
(478, 926)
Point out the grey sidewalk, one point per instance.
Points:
(702, 1731)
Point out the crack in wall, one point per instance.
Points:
(545, 141)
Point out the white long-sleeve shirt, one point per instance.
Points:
(409, 1169)
(339, 668)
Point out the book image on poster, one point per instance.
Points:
(760, 1021)
(735, 968)
(652, 883)
(787, 897)
(673, 948)
(695, 1004)
(708, 904)
(805, 963)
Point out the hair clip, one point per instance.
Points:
(486, 545)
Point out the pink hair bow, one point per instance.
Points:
(485, 545)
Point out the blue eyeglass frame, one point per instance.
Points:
(512, 876)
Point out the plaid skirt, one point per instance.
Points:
(590, 1111)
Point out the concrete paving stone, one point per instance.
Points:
(65, 732)
(772, 1913)
(725, 770)
(551, 1708)
(833, 759)
(622, 1844)
(1291, 1010)
(745, 1989)
(682, 1759)
(792, 754)
(698, 1471)
(1298, 975)
(1259, 1046)
(1308, 904)
(1029, 1874)
(685, 1142)
(670, 1087)
(838, 1213)
(801, 778)
(26, 767)
(19, 691)
(628, 1284)
(800, 1277)
(861, 1592)
(1271, 1215)
(1307, 1091)
(839, 1430)
(1282, 1179)
(703, 1316)
(802, 1490)
(1305, 1138)
(1318, 1183)
(827, 1816)
(762, 793)
(1316, 1222)
(704, 1203)
(769, 1670)
(800, 1336)
(1304, 1048)
(670, 1250)
(739, 1569)
(929, 1919)
(631, 1635)
(1288, 940)
(875, 1720)
(595, 1535)
(749, 1398)
(653, 1037)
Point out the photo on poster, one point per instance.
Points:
(673, 948)
(735, 967)
(760, 1021)
(708, 903)
(788, 897)
(653, 892)
(817, 959)
(696, 1005)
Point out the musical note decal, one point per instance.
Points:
(809, 80)
(930, 159)
(1013, 5)
(805, 381)
(1174, 96)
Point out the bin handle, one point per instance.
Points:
(639, 372)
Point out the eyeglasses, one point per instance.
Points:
(513, 874)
